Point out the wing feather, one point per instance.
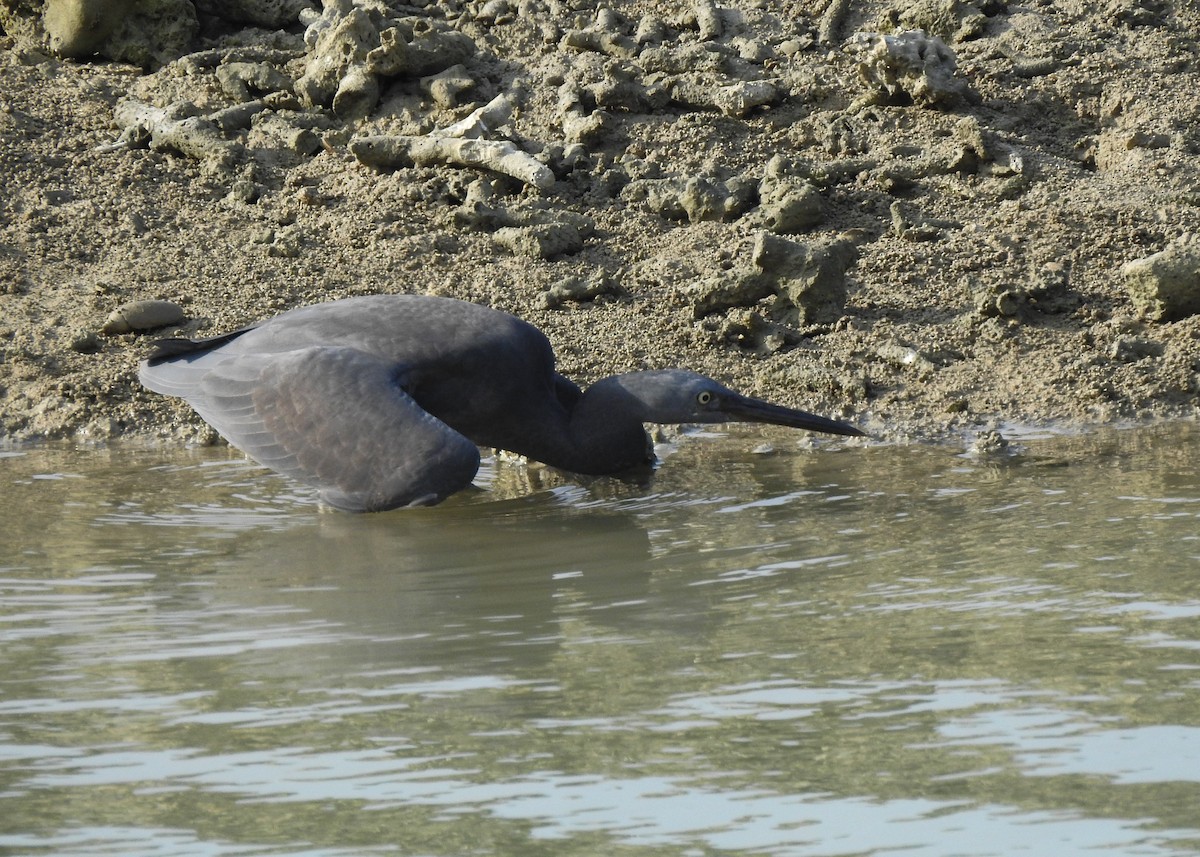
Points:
(333, 417)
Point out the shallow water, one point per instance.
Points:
(825, 651)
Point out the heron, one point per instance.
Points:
(384, 401)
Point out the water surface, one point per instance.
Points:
(800, 651)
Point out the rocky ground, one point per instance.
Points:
(926, 217)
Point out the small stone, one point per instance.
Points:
(245, 191)
(541, 241)
(708, 20)
(259, 235)
(969, 132)
(580, 289)
(811, 278)
(495, 12)
(914, 226)
(791, 47)
(910, 67)
(1147, 140)
(288, 244)
(743, 286)
(952, 20)
(274, 131)
(1130, 349)
(694, 199)
(242, 81)
(752, 50)
(1008, 303)
(750, 331)
(309, 196)
(1166, 285)
(989, 443)
(907, 357)
(740, 98)
(587, 128)
(357, 94)
(789, 206)
(447, 87)
(650, 31)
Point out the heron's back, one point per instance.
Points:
(466, 364)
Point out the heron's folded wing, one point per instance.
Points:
(339, 419)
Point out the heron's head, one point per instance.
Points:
(678, 396)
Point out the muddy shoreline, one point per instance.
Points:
(929, 247)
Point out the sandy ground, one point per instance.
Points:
(959, 231)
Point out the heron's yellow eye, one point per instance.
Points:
(704, 397)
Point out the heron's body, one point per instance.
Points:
(383, 401)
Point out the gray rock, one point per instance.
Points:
(351, 48)
(172, 129)
(952, 20)
(85, 342)
(810, 278)
(750, 331)
(742, 287)
(788, 206)
(541, 241)
(735, 99)
(708, 20)
(243, 81)
(578, 289)
(807, 281)
(1166, 285)
(446, 87)
(1045, 291)
(1130, 349)
(907, 67)
(989, 443)
(694, 199)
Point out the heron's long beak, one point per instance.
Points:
(757, 411)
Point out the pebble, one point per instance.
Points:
(447, 87)
(989, 443)
(1130, 349)
(693, 199)
(788, 206)
(807, 281)
(576, 288)
(1166, 285)
(541, 241)
(910, 65)
(708, 20)
(811, 278)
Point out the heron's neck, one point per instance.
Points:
(605, 431)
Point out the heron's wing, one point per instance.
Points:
(339, 419)
(174, 346)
